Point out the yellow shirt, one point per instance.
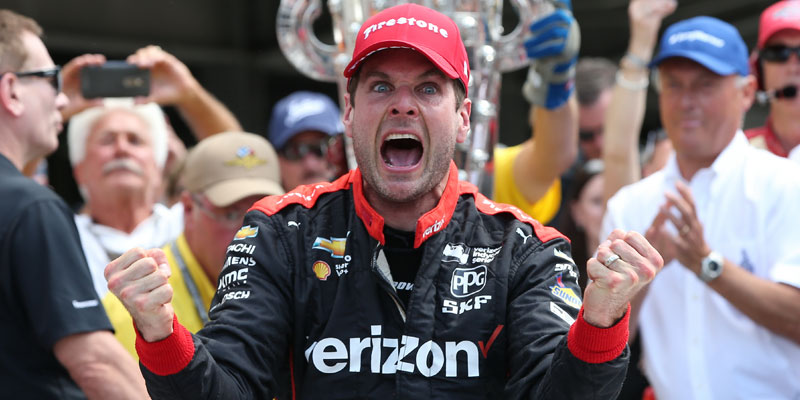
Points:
(506, 190)
(182, 301)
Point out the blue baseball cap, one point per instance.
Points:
(300, 112)
(710, 42)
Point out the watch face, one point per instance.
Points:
(711, 267)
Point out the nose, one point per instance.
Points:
(61, 100)
(404, 103)
(313, 162)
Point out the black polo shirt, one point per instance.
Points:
(46, 291)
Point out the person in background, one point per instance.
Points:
(585, 216)
(305, 128)
(56, 341)
(222, 177)
(118, 151)
(724, 217)
(527, 175)
(117, 154)
(776, 65)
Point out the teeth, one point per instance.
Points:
(397, 136)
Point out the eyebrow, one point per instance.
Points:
(433, 72)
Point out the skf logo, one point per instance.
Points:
(468, 281)
(335, 246)
(322, 270)
(565, 293)
(455, 252)
(245, 157)
(246, 232)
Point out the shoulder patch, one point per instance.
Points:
(305, 195)
(544, 233)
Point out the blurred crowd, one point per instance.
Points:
(718, 203)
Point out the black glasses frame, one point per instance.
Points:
(778, 53)
(53, 75)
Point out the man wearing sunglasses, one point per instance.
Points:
(777, 68)
(55, 341)
(305, 129)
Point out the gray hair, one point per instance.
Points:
(82, 123)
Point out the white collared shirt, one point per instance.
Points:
(101, 243)
(794, 155)
(696, 344)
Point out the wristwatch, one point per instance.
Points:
(711, 267)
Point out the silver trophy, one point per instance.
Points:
(490, 49)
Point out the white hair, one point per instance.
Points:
(82, 123)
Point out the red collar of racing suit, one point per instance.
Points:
(427, 225)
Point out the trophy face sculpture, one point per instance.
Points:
(490, 49)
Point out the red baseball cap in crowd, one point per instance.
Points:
(417, 27)
(777, 17)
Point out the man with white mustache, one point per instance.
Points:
(117, 154)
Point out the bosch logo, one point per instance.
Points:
(468, 281)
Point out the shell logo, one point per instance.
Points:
(322, 270)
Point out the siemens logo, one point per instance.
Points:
(389, 355)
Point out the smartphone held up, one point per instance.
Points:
(114, 79)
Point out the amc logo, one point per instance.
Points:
(468, 281)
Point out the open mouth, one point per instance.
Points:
(401, 151)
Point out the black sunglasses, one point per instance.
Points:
(587, 136)
(778, 53)
(53, 75)
(298, 151)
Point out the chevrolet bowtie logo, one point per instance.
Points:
(335, 246)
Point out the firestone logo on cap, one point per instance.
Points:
(422, 24)
(417, 27)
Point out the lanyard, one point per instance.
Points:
(187, 278)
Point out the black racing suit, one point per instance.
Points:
(305, 308)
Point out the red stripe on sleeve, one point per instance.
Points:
(168, 356)
(597, 345)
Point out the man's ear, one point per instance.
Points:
(9, 95)
(463, 127)
(749, 89)
(347, 116)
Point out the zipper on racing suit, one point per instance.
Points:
(380, 266)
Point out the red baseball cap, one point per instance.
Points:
(417, 27)
(777, 17)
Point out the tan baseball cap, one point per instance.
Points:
(230, 166)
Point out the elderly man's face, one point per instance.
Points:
(700, 110)
(119, 157)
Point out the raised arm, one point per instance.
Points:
(553, 50)
(626, 111)
(173, 84)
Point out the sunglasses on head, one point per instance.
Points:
(298, 151)
(778, 53)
